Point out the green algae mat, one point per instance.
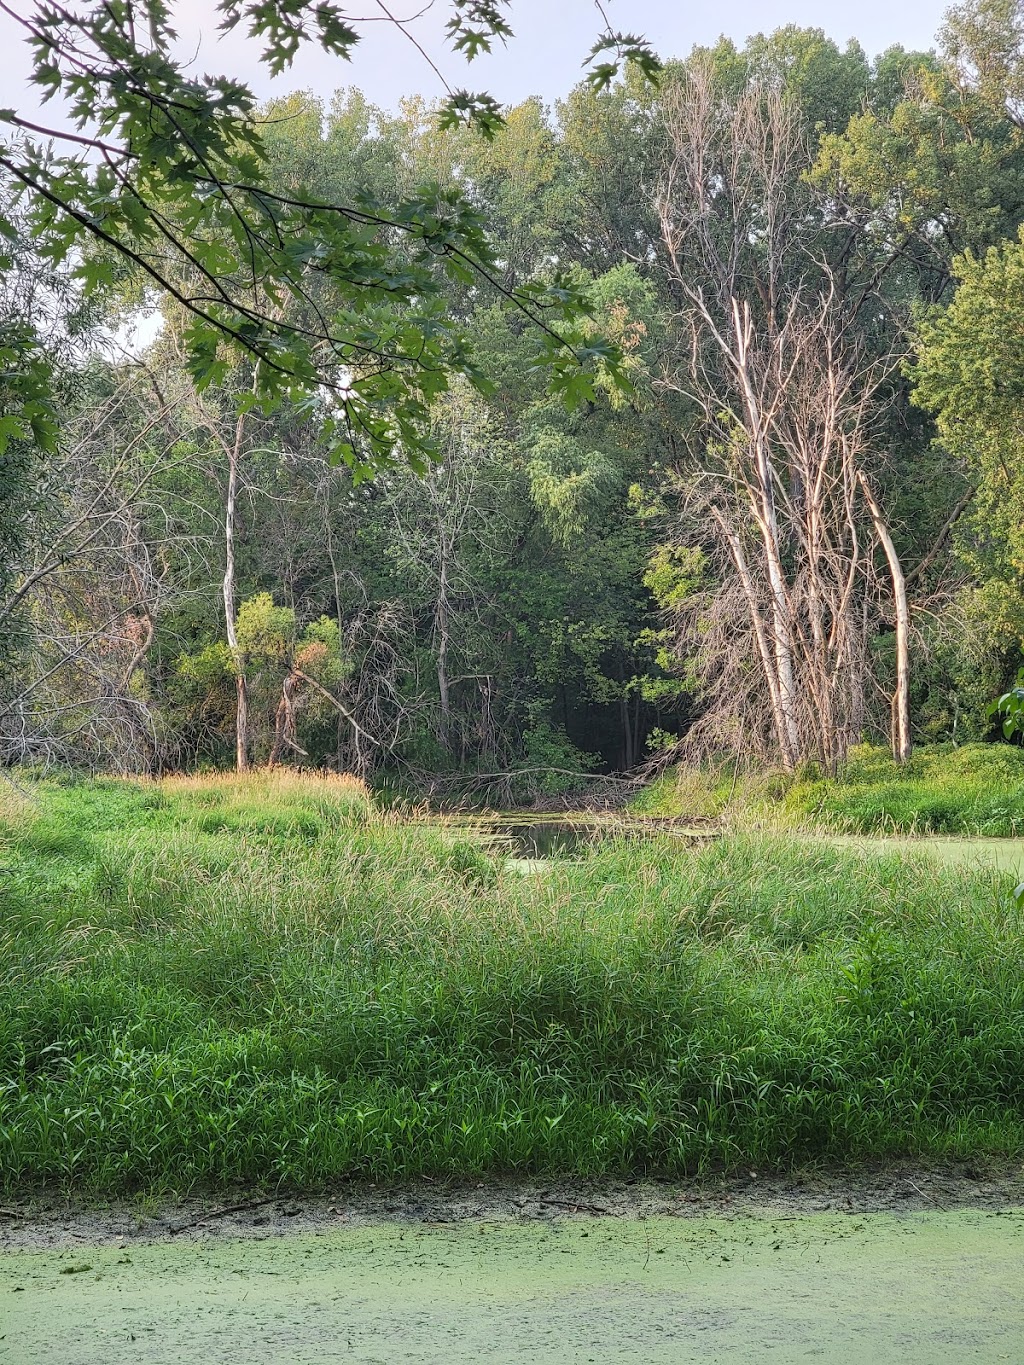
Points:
(877, 1288)
(1003, 855)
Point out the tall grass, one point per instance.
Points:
(974, 790)
(211, 981)
(977, 789)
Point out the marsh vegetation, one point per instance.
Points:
(265, 979)
(664, 437)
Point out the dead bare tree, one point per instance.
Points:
(768, 355)
(900, 727)
(90, 591)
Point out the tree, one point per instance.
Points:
(43, 324)
(443, 542)
(90, 584)
(983, 41)
(610, 150)
(969, 372)
(927, 169)
(231, 437)
(164, 172)
(826, 87)
(785, 391)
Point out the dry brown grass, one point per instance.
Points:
(267, 782)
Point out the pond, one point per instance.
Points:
(527, 838)
(1003, 855)
(538, 838)
(530, 837)
(855, 1290)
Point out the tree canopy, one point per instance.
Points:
(779, 513)
(337, 302)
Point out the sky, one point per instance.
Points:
(544, 58)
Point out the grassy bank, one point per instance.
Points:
(975, 790)
(211, 981)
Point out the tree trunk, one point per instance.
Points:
(285, 729)
(900, 736)
(768, 659)
(242, 696)
(766, 516)
(783, 644)
(442, 626)
(628, 749)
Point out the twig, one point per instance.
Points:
(219, 1213)
(573, 1204)
(925, 1195)
(12, 1213)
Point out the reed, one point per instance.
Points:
(210, 981)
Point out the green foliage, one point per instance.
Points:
(1010, 707)
(984, 40)
(969, 372)
(977, 789)
(26, 406)
(827, 85)
(339, 304)
(266, 634)
(621, 47)
(970, 365)
(207, 667)
(659, 740)
(674, 572)
(191, 1003)
(28, 432)
(552, 764)
(321, 653)
(570, 486)
(609, 142)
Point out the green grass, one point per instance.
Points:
(975, 790)
(207, 982)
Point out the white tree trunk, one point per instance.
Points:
(901, 741)
(764, 649)
(241, 692)
(768, 522)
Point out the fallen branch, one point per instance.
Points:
(330, 697)
(220, 1213)
(575, 1205)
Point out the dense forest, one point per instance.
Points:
(787, 519)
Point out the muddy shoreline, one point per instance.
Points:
(43, 1220)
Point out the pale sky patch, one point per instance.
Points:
(544, 58)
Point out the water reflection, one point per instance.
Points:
(542, 838)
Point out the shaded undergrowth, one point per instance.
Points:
(212, 981)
